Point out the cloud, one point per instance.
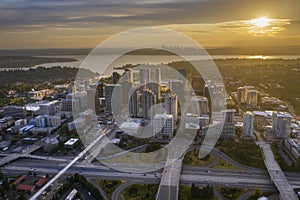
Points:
(107, 17)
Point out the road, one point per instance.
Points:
(61, 172)
(169, 184)
(25, 152)
(278, 177)
(98, 186)
(221, 177)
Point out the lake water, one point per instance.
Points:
(149, 59)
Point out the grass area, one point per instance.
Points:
(222, 164)
(191, 158)
(185, 194)
(244, 152)
(231, 193)
(285, 167)
(109, 186)
(140, 192)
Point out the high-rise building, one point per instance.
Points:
(177, 87)
(163, 125)
(199, 106)
(134, 102)
(128, 75)
(116, 77)
(242, 93)
(281, 124)
(158, 75)
(70, 104)
(248, 124)
(182, 76)
(100, 89)
(14, 111)
(71, 88)
(155, 88)
(91, 95)
(113, 105)
(48, 108)
(171, 105)
(252, 98)
(144, 75)
(126, 86)
(229, 123)
(82, 98)
(198, 85)
(148, 100)
(202, 121)
(53, 121)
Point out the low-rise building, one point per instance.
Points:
(131, 127)
(293, 147)
(71, 143)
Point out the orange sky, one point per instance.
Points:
(213, 23)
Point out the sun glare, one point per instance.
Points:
(261, 22)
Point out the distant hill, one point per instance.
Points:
(275, 50)
(14, 61)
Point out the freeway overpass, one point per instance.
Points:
(278, 177)
(14, 156)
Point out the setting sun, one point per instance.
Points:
(261, 22)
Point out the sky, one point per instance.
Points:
(85, 23)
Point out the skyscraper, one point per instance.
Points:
(252, 98)
(198, 85)
(115, 89)
(144, 75)
(155, 88)
(281, 124)
(163, 125)
(128, 75)
(158, 75)
(126, 86)
(116, 77)
(171, 104)
(248, 124)
(134, 102)
(229, 123)
(177, 87)
(199, 106)
(100, 89)
(148, 100)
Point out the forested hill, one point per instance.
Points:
(28, 61)
(42, 74)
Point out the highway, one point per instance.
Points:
(278, 177)
(169, 184)
(25, 152)
(229, 178)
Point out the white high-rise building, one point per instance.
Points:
(199, 106)
(248, 124)
(281, 124)
(163, 125)
(171, 105)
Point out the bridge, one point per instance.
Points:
(285, 189)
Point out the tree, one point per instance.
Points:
(257, 193)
